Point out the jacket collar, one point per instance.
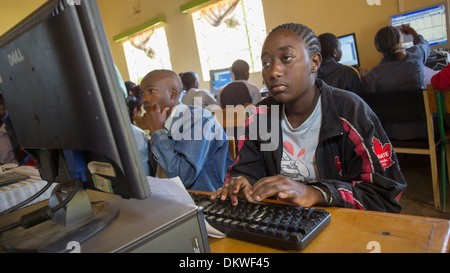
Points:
(331, 122)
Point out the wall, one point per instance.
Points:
(12, 11)
(339, 17)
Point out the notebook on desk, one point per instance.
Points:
(10, 178)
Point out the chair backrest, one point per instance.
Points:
(397, 106)
(410, 106)
(444, 97)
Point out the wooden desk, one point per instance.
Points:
(350, 231)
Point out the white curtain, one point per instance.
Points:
(140, 41)
(216, 13)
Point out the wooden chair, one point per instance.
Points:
(408, 106)
(232, 147)
(439, 104)
(233, 119)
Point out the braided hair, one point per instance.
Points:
(386, 39)
(305, 33)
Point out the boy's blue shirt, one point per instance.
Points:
(194, 148)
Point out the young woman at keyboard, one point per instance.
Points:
(331, 148)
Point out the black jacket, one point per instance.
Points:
(340, 76)
(356, 164)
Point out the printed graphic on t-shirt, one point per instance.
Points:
(293, 163)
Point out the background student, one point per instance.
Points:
(400, 69)
(186, 141)
(239, 91)
(331, 71)
(190, 83)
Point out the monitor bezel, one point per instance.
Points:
(447, 12)
(211, 78)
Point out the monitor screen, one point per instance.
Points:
(220, 78)
(349, 49)
(430, 22)
(59, 83)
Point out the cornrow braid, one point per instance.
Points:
(305, 33)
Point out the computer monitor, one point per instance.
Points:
(219, 78)
(432, 22)
(350, 55)
(60, 86)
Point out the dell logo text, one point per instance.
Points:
(15, 57)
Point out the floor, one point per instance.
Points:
(418, 196)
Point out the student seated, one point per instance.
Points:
(400, 69)
(193, 95)
(331, 71)
(239, 91)
(325, 147)
(186, 141)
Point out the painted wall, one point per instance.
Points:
(336, 16)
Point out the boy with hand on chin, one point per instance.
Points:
(186, 141)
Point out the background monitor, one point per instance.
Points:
(219, 78)
(350, 55)
(60, 86)
(432, 22)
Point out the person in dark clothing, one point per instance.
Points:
(331, 71)
(239, 91)
(400, 69)
(326, 146)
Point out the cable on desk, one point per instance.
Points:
(3, 229)
(54, 155)
(23, 203)
(43, 214)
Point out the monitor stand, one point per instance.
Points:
(73, 224)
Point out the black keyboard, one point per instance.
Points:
(278, 225)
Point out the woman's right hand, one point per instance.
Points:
(234, 188)
(408, 30)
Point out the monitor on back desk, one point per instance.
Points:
(350, 55)
(432, 22)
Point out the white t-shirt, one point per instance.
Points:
(299, 147)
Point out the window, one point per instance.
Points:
(153, 54)
(239, 35)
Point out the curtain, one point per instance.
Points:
(140, 41)
(216, 13)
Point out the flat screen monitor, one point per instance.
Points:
(60, 86)
(432, 22)
(350, 55)
(220, 78)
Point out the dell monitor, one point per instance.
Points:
(59, 83)
(350, 55)
(219, 78)
(432, 22)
